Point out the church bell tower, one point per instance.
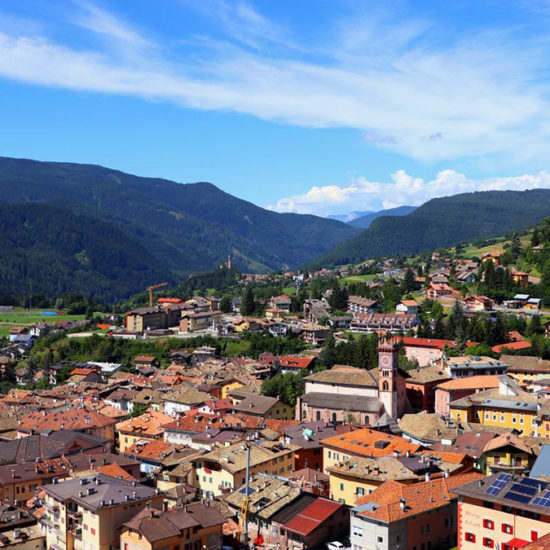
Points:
(387, 379)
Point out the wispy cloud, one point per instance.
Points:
(362, 194)
(402, 90)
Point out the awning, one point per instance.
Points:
(514, 544)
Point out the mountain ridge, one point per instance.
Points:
(443, 222)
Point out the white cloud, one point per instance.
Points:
(362, 194)
(473, 98)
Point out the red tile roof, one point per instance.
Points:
(312, 516)
(73, 419)
(419, 497)
(296, 361)
(512, 346)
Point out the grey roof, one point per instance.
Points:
(339, 402)
(504, 404)
(99, 491)
(50, 445)
(541, 467)
(256, 404)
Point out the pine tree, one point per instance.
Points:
(535, 237)
(408, 281)
(248, 305)
(225, 304)
(515, 247)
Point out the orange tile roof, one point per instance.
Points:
(144, 358)
(512, 346)
(447, 456)
(419, 497)
(371, 443)
(82, 372)
(196, 423)
(114, 470)
(483, 381)
(82, 418)
(150, 423)
(153, 450)
(300, 362)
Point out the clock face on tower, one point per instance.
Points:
(385, 361)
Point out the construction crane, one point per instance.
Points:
(243, 516)
(150, 290)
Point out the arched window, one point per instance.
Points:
(367, 420)
(385, 386)
(334, 417)
(318, 415)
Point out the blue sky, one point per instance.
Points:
(324, 106)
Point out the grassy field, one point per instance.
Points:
(236, 348)
(289, 290)
(472, 250)
(21, 317)
(358, 278)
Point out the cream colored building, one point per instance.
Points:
(224, 469)
(87, 513)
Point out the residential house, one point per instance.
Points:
(316, 310)
(281, 302)
(424, 351)
(365, 442)
(470, 365)
(395, 515)
(146, 318)
(502, 511)
(434, 291)
(525, 369)
(383, 322)
(408, 307)
(421, 385)
(224, 469)
(313, 334)
(451, 390)
(356, 477)
(146, 426)
(520, 278)
(358, 304)
(191, 321)
(296, 363)
(477, 304)
(194, 526)
(80, 419)
(183, 398)
(88, 512)
(508, 453)
(264, 407)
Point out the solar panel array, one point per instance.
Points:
(498, 484)
(523, 490)
(543, 500)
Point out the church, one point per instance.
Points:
(353, 395)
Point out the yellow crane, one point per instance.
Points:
(150, 290)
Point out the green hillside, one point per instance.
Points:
(444, 222)
(181, 228)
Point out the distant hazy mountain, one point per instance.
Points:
(147, 227)
(443, 222)
(364, 221)
(350, 216)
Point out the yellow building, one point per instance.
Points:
(507, 453)
(228, 386)
(507, 406)
(147, 426)
(526, 370)
(194, 526)
(88, 512)
(357, 477)
(366, 443)
(224, 469)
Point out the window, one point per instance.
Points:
(380, 539)
(534, 535)
(357, 531)
(488, 524)
(487, 542)
(341, 486)
(508, 529)
(470, 537)
(360, 491)
(92, 530)
(330, 454)
(318, 415)
(502, 418)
